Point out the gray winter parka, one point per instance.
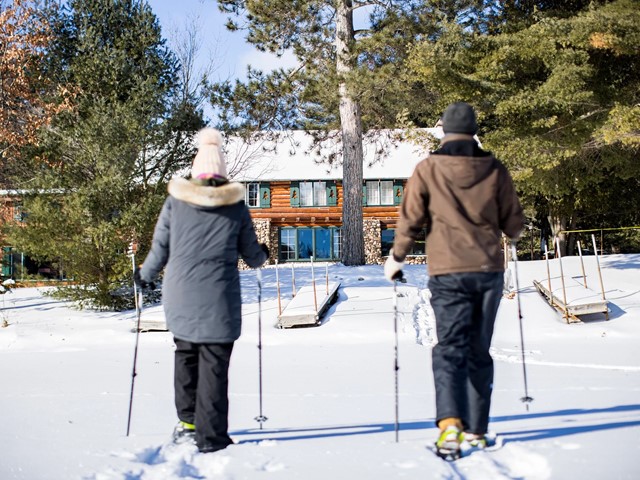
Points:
(199, 235)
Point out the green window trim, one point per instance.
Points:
(294, 194)
(398, 191)
(265, 195)
(332, 193)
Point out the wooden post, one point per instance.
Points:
(278, 289)
(313, 282)
(531, 230)
(546, 255)
(293, 280)
(327, 276)
(593, 238)
(564, 291)
(426, 264)
(584, 276)
(506, 252)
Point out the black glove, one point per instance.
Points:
(140, 282)
(265, 249)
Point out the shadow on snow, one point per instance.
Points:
(561, 430)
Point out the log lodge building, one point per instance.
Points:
(295, 196)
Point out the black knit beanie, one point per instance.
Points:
(459, 117)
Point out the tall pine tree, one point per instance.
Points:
(349, 78)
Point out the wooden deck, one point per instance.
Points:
(152, 320)
(306, 311)
(579, 301)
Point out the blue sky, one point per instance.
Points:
(228, 50)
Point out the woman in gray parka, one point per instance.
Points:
(203, 227)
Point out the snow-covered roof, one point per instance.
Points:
(293, 155)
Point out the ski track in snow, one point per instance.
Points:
(174, 462)
(532, 361)
(513, 461)
(169, 462)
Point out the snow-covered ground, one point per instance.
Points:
(65, 379)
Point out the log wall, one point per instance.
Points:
(281, 213)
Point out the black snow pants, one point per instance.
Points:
(465, 306)
(201, 382)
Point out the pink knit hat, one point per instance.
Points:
(209, 161)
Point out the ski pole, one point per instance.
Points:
(526, 399)
(260, 418)
(397, 278)
(137, 296)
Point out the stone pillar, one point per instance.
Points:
(265, 235)
(273, 242)
(372, 242)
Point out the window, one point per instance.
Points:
(387, 237)
(337, 243)
(302, 243)
(257, 195)
(313, 194)
(306, 194)
(252, 195)
(386, 241)
(322, 243)
(320, 194)
(305, 243)
(288, 244)
(380, 192)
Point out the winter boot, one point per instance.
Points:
(451, 436)
(184, 433)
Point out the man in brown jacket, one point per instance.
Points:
(466, 198)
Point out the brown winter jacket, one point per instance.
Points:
(465, 202)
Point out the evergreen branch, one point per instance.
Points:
(370, 3)
(572, 123)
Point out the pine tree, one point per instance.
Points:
(349, 79)
(106, 162)
(556, 92)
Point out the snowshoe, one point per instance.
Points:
(184, 433)
(476, 441)
(447, 446)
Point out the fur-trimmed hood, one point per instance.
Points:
(206, 196)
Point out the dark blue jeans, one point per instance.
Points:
(465, 307)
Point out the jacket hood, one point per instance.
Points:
(205, 195)
(466, 170)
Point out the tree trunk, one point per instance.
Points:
(571, 239)
(558, 224)
(351, 124)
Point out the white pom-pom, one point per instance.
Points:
(209, 136)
